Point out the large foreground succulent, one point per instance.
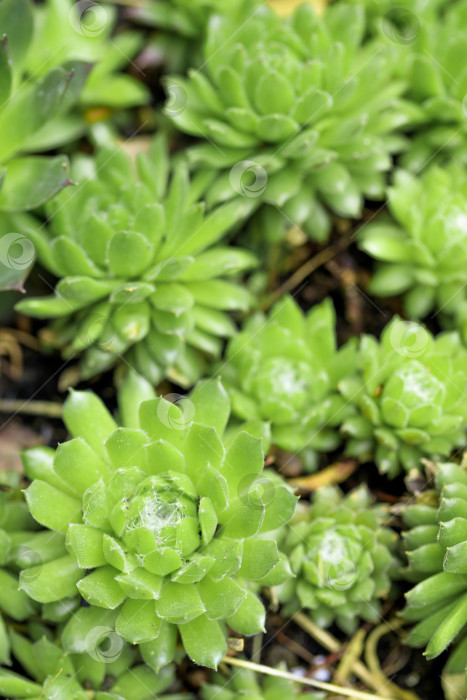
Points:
(296, 112)
(436, 540)
(160, 521)
(140, 271)
(284, 369)
(422, 249)
(342, 556)
(409, 397)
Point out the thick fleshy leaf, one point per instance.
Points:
(126, 447)
(244, 460)
(85, 416)
(129, 254)
(100, 588)
(33, 180)
(16, 603)
(250, 617)
(220, 598)
(85, 544)
(52, 581)
(160, 651)
(78, 465)
(86, 628)
(140, 584)
(211, 404)
(12, 685)
(51, 507)
(448, 630)
(138, 621)
(133, 391)
(204, 641)
(179, 603)
(259, 558)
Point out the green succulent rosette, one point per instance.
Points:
(141, 271)
(420, 248)
(342, 556)
(161, 522)
(243, 684)
(51, 673)
(283, 369)
(297, 113)
(436, 542)
(409, 397)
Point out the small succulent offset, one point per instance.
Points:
(284, 369)
(436, 540)
(409, 396)
(141, 272)
(244, 684)
(50, 672)
(160, 521)
(296, 112)
(343, 558)
(421, 249)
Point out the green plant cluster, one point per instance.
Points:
(160, 162)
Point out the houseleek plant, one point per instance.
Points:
(409, 396)
(142, 271)
(160, 521)
(342, 556)
(283, 368)
(420, 247)
(295, 112)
